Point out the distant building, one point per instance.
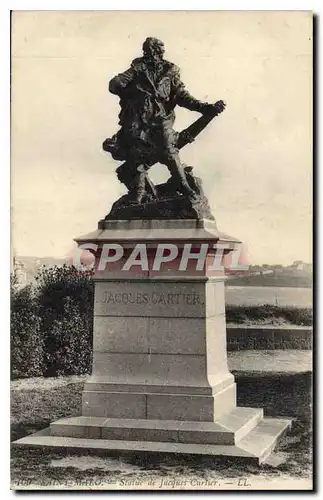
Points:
(299, 265)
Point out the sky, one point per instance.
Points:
(255, 159)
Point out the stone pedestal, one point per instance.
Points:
(160, 380)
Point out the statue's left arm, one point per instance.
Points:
(184, 99)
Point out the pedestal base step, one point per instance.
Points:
(227, 430)
(254, 446)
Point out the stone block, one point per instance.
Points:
(224, 401)
(216, 347)
(155, 335)
(78, 427)
(177, 335)
(113, 405)
(177, 407)
(140, 434)
(121, 334)
(151, 369)
(263, 438)
(204, 432)
(214, 297)
(240, 421)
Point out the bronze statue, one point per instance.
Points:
(149, 92)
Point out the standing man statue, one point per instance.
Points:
(149, 92)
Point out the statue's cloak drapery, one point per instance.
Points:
(147, 101)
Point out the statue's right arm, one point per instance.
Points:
(121, 81)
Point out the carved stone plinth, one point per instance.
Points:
(160, 380)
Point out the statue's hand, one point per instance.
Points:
(215, 109)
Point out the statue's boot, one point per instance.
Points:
(177, 171)
(140, 185)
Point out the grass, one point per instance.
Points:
(34, 408)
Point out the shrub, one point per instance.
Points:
(241, 314)
(26, 342)
(65, 298)
(73, 340)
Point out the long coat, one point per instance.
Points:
(147, 99)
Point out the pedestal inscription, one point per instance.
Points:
(159, 298)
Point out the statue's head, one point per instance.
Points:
(153, 49)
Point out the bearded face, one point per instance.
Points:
(153, 51)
